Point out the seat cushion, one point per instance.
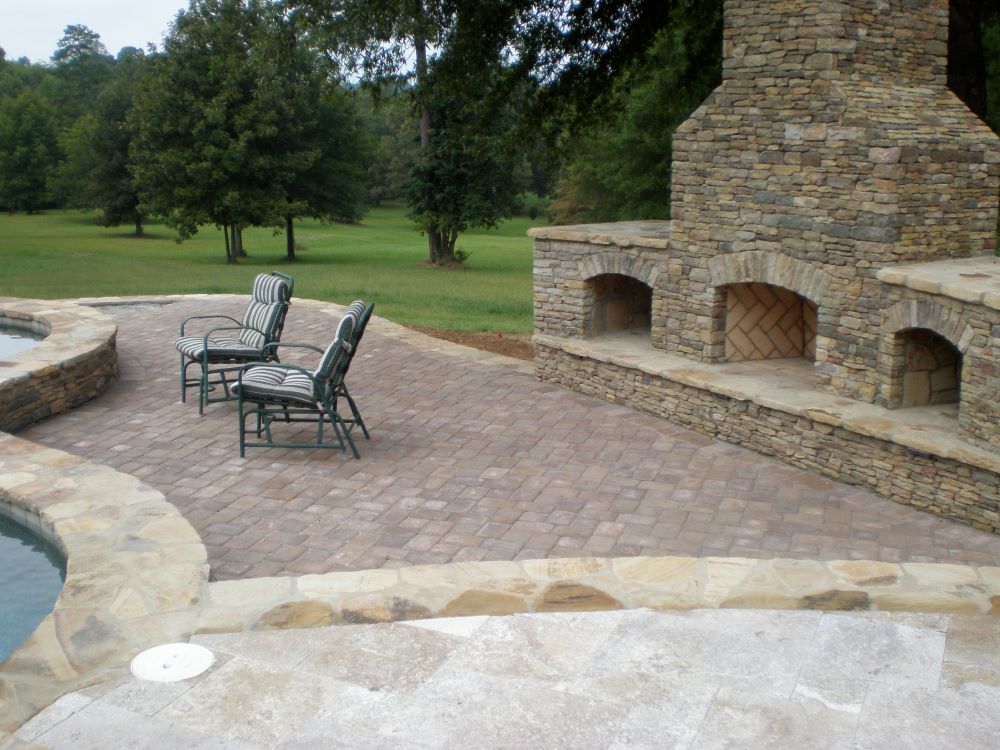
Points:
(220, 348)
(277, 382)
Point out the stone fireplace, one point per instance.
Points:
(833, 204)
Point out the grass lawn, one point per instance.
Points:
(64, 254)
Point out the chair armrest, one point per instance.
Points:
(205, 317)
(277, 344)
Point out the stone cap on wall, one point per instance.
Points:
(652, 234)
(975, 280)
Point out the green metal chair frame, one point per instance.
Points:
(219, 362)
(268, 409)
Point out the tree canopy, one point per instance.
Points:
(234, 126)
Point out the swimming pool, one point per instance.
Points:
(31, 576)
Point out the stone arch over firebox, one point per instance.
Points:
(914, 315)
(603, 275)
(810, 282)
(623, 264)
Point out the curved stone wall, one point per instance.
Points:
(76, 361)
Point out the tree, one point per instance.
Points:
(78, 43)
(469, 174)
(619, 168)
(110, 185)
(450, 54)
(82, 67)
(330, 179)
(28, 151)
(234, 125)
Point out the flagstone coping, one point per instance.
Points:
(137, 576)
(135, 572)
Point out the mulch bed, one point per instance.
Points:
(516, 345)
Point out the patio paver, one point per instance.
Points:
(471, 459)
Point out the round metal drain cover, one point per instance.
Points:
(172, 662)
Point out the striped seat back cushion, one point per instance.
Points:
(264, 314)
(260, 322)
(356, 309)
(269, 289)
(337, 352)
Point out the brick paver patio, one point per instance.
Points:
(470, 459)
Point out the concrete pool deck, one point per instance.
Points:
(615, 680)
(482, 492)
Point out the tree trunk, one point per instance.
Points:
(420, 48)
(433, 245)
(240, 250)
(138, 226)
(289, 238)
(229, 247)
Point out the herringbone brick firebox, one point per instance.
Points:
(827, 290)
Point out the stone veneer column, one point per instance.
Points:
(832, 140)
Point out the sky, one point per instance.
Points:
(31, 28)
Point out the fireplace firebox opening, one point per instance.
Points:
(764, 321)
(621, 303)
(932, 371)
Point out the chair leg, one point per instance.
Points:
(202, 389)
(355, 413)
(342, 431)
(243, 428)
(183, 379)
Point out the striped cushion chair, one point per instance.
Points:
(223, 349)
(274, 392)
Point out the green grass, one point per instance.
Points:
(64, 254)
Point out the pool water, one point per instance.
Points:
(31, 576)
(14, 341)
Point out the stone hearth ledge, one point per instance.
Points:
(975, 280)
(930, 430)
(651, 234)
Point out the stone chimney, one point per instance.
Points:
(887, 42)
(832, 148)
(834, 138)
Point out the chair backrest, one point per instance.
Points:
(332, 364)
(265, 316)
(359, 329)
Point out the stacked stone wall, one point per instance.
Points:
(564, 299)
(940, 485)
(77, 361)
